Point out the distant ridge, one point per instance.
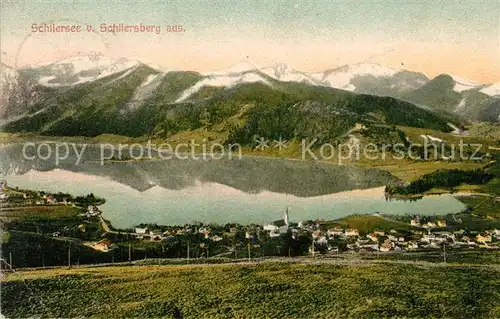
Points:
(127, 85)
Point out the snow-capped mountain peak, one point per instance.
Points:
(282, 69)
(81, 69)
(341, 77)
(225, 80)
(462, 84)
(85, 62)
(278, 71)
(492, 89)
(283, 72)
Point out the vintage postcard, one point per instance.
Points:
(250, 159)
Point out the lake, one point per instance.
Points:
(249, 190)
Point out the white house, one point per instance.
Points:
(414, 223)
(392, 238)
(204, 230)
(155, 235)
(351, 232)
(322, 241)
(283, 229)
(141, 231)
(412, 246)
(271, 228)
(216, 238)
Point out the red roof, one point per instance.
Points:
(105, 242)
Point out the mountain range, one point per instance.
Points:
(93, 94)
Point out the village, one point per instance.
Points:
(19, 197)
(430, 235)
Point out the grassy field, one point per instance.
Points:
(486, 130)
(483, 206)
(476, 135)
(410, 171)
(48, 211)
(368, 223)
(268, 290)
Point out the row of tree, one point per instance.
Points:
(441, 179)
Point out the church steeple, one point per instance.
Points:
(286, 216)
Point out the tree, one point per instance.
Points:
(205, 118)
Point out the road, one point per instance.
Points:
(107, 229)
(348, 261)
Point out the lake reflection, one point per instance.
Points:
(214, 202)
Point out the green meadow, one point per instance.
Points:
(362, 289)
